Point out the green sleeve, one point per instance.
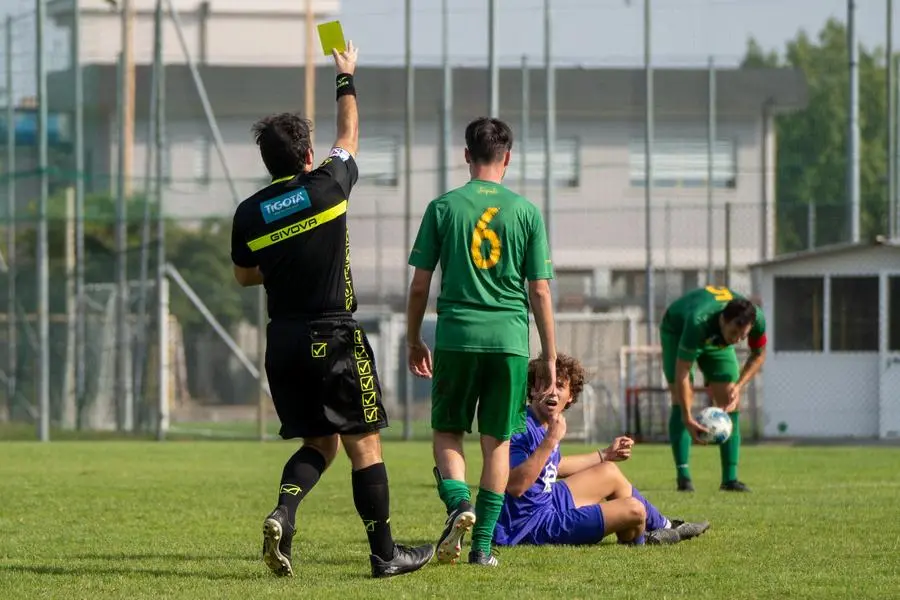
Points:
(426, 250)
(537, 252)
(690, 341)
(757, 338)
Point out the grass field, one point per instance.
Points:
(125, 519)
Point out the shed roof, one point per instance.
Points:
(828, 251)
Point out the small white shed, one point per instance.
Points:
(833, 316)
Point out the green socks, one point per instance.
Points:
(680, 440)
(452, 492)
(729, 451)
(487, 510)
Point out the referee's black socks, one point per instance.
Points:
(372, 499)
(301, 473)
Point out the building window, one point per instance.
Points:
(378, 159)
(566, 163)
(574, 283)
(799, 303)
(683, 163)
(202, 158)
(854, 314)
(631, 286)
(894, 313)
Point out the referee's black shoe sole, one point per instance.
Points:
(277, 537)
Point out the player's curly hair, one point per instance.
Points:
(283, 140)
(568, 368)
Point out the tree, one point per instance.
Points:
(811, 143)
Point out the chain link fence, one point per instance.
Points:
(212, 342)
(106, 365)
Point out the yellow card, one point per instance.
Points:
(332, 36)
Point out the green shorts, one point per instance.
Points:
(718, 365)
(493, 385)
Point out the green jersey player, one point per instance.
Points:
(492, 249)
(702, 326)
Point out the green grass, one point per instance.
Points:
(132, 519)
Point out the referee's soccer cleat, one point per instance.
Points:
(662, 536)
(734, 486)
(277, 536)
(459, 522)
(688, 531)
(406, 560)
(685, 485)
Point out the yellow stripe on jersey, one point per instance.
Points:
(297, 228)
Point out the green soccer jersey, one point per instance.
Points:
(694, 319)
(489, 242)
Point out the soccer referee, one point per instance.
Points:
(292, 238)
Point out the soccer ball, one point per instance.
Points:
(717, 422)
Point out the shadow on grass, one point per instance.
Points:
(168, 556)
(178, 557)
(91, 571)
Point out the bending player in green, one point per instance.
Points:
(703, 326)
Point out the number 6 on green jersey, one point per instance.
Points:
(481, 234)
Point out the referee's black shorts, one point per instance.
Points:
(323, 378)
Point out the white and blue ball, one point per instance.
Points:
(717, 422)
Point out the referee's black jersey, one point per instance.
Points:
(295, 231)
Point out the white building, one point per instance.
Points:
(833, 368)
(218, 32)
(598, 242)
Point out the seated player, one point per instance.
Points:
(573, 500)
(702, 326)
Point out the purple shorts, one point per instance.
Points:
(566, 525)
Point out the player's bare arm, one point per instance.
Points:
(750, 369)
(752, 366)
(418, 354)
(539, 296)
(618, 450)
(347, 111)
(683, 397)
(248, 277)
(523, 477)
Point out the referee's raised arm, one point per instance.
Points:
(347, 112)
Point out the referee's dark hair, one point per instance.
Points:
(488, 140)
(284, 142)
(741, 312)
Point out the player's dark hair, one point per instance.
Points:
(568, 368)
(740, 311)
(283, 140)
(488, 140)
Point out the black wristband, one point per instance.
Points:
(344, 85)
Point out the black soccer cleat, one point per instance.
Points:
(449, 545)
(277, 536)
(479, 557)
(687, 531)
(685, 485)
(406, 560)
(734, 486)
(659, 537)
